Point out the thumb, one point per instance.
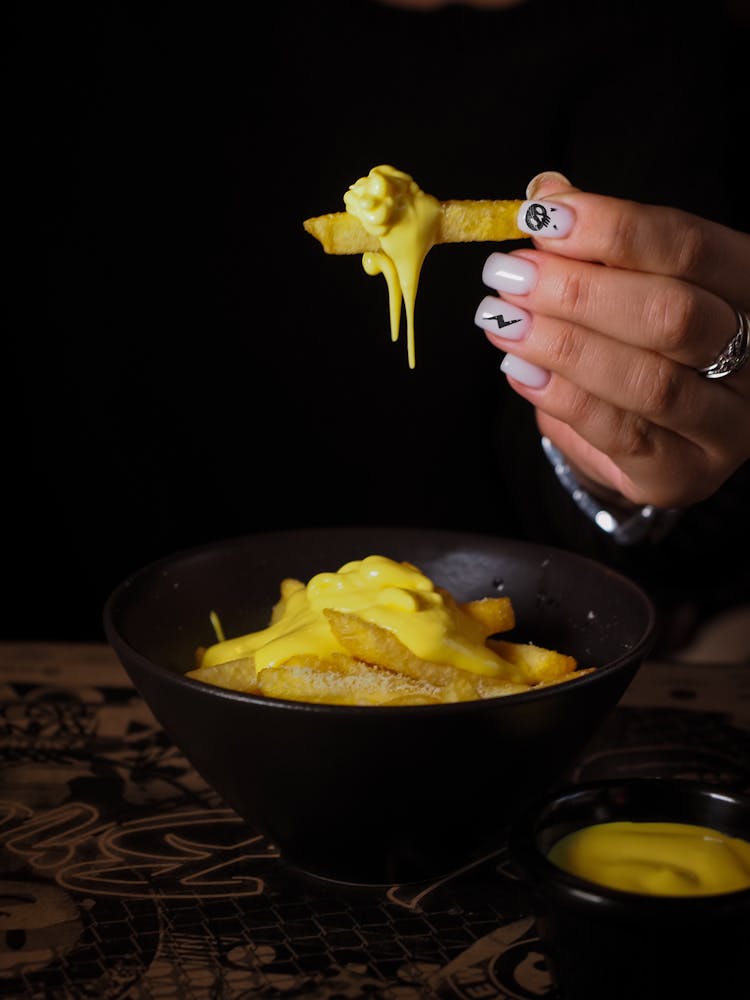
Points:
(547, 183)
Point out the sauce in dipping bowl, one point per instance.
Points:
(611, 942)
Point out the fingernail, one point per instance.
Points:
(501, 318)
(545, 218)
(524, 372)
(546, 177)
(508, 273)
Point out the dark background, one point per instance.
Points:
(184, 363)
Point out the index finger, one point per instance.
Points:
(634, 236)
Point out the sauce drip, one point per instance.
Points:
(391, 206)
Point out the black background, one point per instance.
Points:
(184, 363)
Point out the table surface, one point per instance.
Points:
(124, 875)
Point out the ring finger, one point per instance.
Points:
(641, 382)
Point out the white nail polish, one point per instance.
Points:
(501, 319)
(508, 273)
(545, 218)
(524, 372)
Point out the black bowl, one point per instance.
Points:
(378, 795)
(602, 942)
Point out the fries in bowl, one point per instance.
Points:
(379, 632)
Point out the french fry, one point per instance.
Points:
(534, 663)
(483, 618)
(236, 675)
(374, 644)
(413, 700)
(566, 677)
(479, 221)
(341, 680)
(497, 687)
(340, 233)
(495, 614)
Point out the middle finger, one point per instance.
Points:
(685, 323)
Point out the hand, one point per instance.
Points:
(606, 323)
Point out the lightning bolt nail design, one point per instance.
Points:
(502, 321)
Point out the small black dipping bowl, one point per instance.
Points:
(378, 795)
(603, 943)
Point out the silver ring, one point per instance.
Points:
(735, 354)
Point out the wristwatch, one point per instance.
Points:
(647, 523)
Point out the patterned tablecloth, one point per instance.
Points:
(124, 875)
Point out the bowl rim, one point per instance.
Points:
(115, 639)
(526, 853)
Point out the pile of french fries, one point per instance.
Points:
(376, 668)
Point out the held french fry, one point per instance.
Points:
(482, 221)
(394, 224)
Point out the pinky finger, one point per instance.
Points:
(644, 463)
(588, 460)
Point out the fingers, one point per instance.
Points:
(673, 435)
(593, 463)
(627, 235)
(644, 383)
(594, 466)
(682, 321)
(604, 325)
(641, 461)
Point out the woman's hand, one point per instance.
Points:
(606, 324)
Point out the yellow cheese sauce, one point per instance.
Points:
(391, 206)
(656, 859)
(393, 595)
